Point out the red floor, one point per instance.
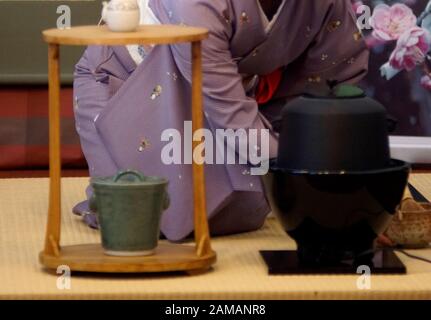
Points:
(40, 173)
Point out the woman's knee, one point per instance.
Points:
(247, 211)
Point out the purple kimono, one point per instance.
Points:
(122, 109)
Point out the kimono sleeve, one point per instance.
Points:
(225, 101)
(91, 97)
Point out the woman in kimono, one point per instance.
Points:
(259, 54)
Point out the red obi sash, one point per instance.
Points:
(268, 85)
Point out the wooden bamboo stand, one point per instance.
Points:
(90, 258)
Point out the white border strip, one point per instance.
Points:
(416, 150)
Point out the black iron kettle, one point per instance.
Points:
(334, 128)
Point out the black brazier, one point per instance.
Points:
(335, 186)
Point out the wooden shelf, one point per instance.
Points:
(91, 258)
(151, 34)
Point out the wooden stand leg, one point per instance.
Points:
(52, 240)
(202, 237)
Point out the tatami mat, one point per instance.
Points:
(239, 273)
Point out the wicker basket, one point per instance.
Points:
(411, 226)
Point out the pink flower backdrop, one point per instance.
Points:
(399, 73)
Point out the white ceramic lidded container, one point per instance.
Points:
(121, 15)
